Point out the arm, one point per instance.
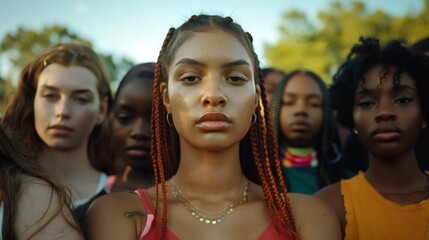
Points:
(116, 216)
(331, 195)
(314, 219)
(41, 214)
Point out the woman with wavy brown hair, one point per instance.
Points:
(212, 156)
(32, 205)
(58, 117)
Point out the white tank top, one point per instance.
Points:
(1, 219)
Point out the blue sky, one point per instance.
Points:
(136, 28)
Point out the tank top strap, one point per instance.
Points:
(146, 200)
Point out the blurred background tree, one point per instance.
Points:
(23, 45)
(323, 45)
(318, 44)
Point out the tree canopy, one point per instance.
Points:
(24, 45)
(323, 45)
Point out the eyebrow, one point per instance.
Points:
(189, 61)
(236, 63)
(121, 106)
(396, 88)
(311, 95)
(78, 91)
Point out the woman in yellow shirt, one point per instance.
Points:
(381, 93)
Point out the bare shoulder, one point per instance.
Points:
(120, 215)
(330, 192)
(313, 218)
(50, 218)
(332, 196)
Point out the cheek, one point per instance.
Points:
(40, 111)
(119, 132)
(357, 119)
(181, 104)
(284, 120)
(318, 119)
(86, 116)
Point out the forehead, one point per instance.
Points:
(136, 87)
(301, 83)
(73, 77)
(212, 44)
(375, 78)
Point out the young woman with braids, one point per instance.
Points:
(32, 206)
(382, 94)
(212, 157)
(57, 116)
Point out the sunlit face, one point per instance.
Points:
(67, 106)
(388, 118)
(301, 112)
(131, 123)
(211, 90)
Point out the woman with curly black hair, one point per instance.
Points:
(381, 93)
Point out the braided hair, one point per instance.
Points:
(259, 144)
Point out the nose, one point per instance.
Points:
(63, 109)
(214, 96)
(385, 112)
(140, 129)
(300, 108)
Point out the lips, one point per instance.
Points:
(386, 134)
(138, 151)
(299, 126)
(213, 121)
(60, 130)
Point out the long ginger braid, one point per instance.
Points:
(270, 153)
(270, 146)
(159, 148)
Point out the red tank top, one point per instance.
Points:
(153, 230)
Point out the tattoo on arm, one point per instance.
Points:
(133, 213)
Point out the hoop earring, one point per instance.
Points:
(254, 118)
(168, 119)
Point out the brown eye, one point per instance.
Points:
(366, 104)
(50, 97)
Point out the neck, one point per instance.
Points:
(133, 179)
(213, 173)
(285, 143)
(70, 166)
(401, 172)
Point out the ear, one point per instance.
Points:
(258, 97)
(103, 110)
(165, 100)
(424, 124)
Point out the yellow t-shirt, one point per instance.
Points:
(370, 216)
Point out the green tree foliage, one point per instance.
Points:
(23, 45)
(322, 46)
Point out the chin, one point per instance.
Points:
(300, 143)
(62, 147)
(138, 163)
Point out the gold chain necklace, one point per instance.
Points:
(205, 217)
